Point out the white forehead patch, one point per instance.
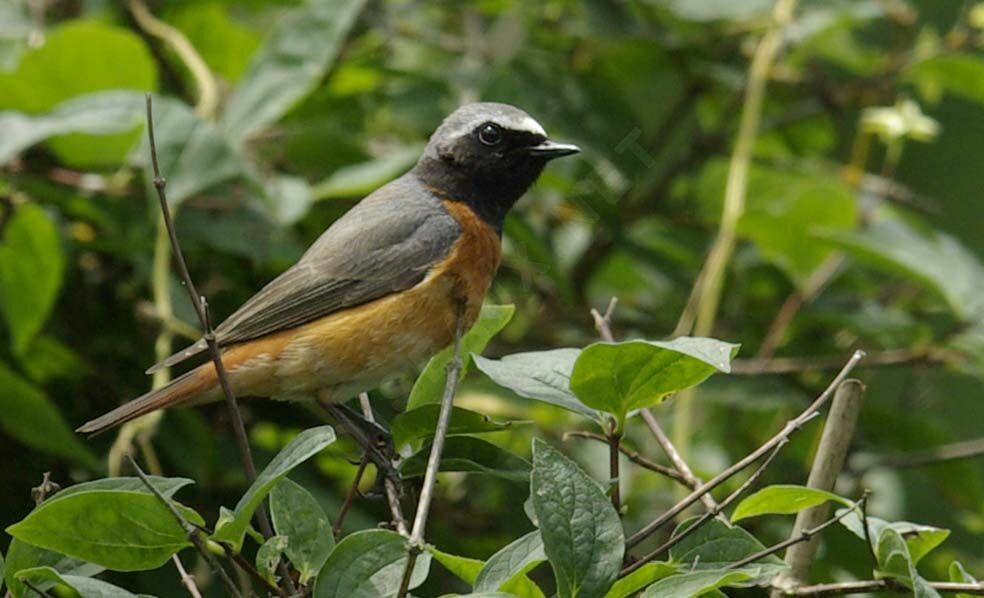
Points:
(530, 125)
(526, 124)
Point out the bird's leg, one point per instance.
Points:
(374, 439)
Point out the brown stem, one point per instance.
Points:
(770, 444)
(201, 309)
(614, 440)
(186, 580)
(674, 455)
(336, 529)
(635, 457)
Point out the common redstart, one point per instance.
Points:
(384, 287)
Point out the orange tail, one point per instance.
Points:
(179, 391)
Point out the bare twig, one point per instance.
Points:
(803, 536)
(193, 533)
(392, 492)
(186, 580)
(434, 460)
(201, 309)
(710, 514)
(794, 365)
(336, 529)
(770, 444)
(635, 457)
(838, 431)
(940, 454)
(881, 585)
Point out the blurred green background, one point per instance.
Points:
(864, 226)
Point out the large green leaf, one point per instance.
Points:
(31, 269)
(297, 515)
(290, 63)
(640, 578)
(419, 424)
(31, 417)
(21, 556)
(582, 534)
(120, 530)
(463, 568)
(920, 539)
(540, 375)
(506, 570)
(783, 207)
(783, 500)
(80, 57)
(902, 245)
(695, 583)
(100, 113)
(369, 564)
(429, 386)
(73, 586)
(620, 377)
(307, 444)
(166, 486)
(468, 454)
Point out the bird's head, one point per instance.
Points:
(488, 154)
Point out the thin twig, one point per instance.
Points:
(882, 585)
(838, 431)
(392, 492)
(193, 533)
(770, 444)
(201, 309)
(710, 514)
(940, 454)
(186, 580)
(614, 441)
(795, 365)
(353, 490)
(434, 460)
(635, 457)
(803, 536)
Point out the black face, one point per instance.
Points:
(488, 158)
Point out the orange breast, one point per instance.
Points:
(355, 349)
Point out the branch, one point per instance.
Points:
(882, 585)
(201, 309)
(710, 514)
(614, 440)
(392, 492)
(434, 461)
(186, 580)
(795, 365)
(940, 454)
(336, 529)
(193, 533)
(827, 464)
(635, 457)
(770, 444)
(803, 536)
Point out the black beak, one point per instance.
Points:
(551, 149)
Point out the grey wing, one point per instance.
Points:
(387, 243)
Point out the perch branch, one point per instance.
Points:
(186, 580)
(392, 492)
(336, 529)
(201, 309)
(770, 444)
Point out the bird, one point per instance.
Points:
(386, 286)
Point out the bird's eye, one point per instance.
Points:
(490, 134)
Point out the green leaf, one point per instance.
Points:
(166, 486)
(31, 417)
(920, 539)
(3, 570)
(307, 444)
(464, 453)
(73, 586)
(640, 578)
(960, 575)
(122, 531)
(224, 44)
(99, 113)
(621, 377)
(506, 570)
(783, 208)
(21, 556)
(358, 180)
(419, 424)
(463, 568)
(539, 375)
(783, 500)
(31, 269)
(368, 564)
(297, 515)
(696, 583)
(582, 534)
(79, 57)
(429, 386)
(929, 257)
(959, 74)
(716, 546)
(184, 142)
(289, 65)
(268, 557)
